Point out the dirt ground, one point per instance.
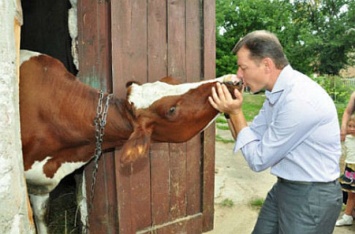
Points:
(235, 181)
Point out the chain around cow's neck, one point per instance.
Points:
(100, 123)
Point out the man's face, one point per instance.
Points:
(251, 72)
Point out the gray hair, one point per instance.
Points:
(263, 44)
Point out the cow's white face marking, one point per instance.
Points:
(144, 95)
(26, 55)
(36, 176)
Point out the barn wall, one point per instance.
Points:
(14, 209)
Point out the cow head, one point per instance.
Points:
(165, 111)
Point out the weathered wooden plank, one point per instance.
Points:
(140, 178)
(157, 40)
(177, 180)
(193, 41)
(176, 39)
(94, 43)
(160, 183)
(124, 202)
(130, 50)
(209, 54)
(102, 215)
(121, 23)
(208, 178)
(157, 68)
(95, 69)
(141, 196)
(194, 226)
(194, 176)
(176, 68)
(189, 224)
(193, 73)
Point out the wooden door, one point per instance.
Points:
(171, 191)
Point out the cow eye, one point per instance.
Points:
(172, 110)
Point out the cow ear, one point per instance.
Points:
(130, 83)
(137, 146)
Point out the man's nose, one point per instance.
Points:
(240, 74)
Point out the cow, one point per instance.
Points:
(63, 118)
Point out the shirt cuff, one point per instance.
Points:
(245, 136)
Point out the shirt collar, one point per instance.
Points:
(279, 86)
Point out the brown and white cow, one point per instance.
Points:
(57, 114)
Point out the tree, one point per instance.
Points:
(317, 36)
(329, 20)
(235, 18)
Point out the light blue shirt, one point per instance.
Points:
(296, 132)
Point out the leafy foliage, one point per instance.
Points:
(335, 87)
(318, 36)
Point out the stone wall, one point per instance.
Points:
(15, 213)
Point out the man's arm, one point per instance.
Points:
(236, 123)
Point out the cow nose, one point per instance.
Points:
(233, 80)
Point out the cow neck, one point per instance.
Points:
(100, 123)
(120, 123)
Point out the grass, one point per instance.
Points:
(251, 106)
(252, 103)
(227, 203)
(256, 203)
(223, 140)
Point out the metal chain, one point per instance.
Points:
(100, 123)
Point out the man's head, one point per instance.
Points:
(260, 59)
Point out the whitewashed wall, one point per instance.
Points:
(14, 210)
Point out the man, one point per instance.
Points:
(296, 134)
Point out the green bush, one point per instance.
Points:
(335, 87)
(337, 90)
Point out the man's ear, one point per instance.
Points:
(137, 146)
(269, 64)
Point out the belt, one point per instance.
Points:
(282, 180)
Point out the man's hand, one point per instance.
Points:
(222, 100)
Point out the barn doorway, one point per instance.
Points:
(141, 40)
(46, 30)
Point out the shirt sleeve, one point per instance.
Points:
(246, 135)
(290, 125)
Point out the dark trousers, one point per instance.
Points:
(300, 208)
